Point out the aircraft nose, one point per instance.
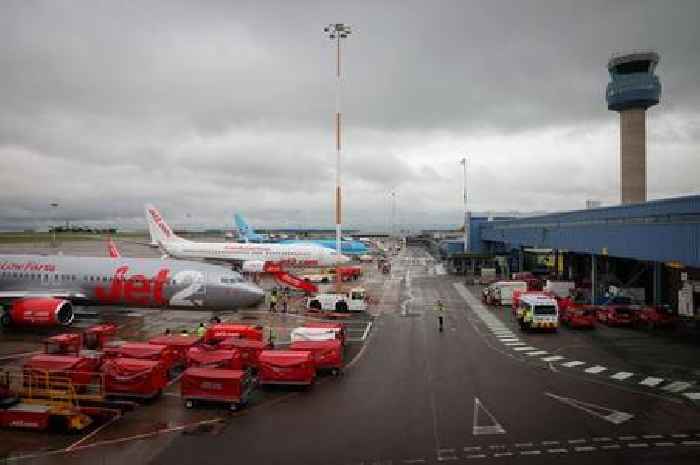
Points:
(251, 294)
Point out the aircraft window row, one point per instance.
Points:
(39, 276)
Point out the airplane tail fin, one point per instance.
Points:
(112, 249)
(159, 229)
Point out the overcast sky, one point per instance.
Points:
(207, 108)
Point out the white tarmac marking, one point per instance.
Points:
(595, 370)
(557, 451)
(503, 454)
(525, 348)
(444, 455)
(636, 445)
(627, 438)
(611, 446)
(691, 443)
(471, 448)
(602, 439)
(494, 428)
(510, 340)
(575, 363)
(680, 435)
(650, 381)
(476, 456)
(585, 448)
(577, 441)
(692, 395)
(414, 461)
(530, 452)
(652, 436)
(521, 445)
(676, 386)
(513, 344)
(553, 358)
(622, 375)
(665, 444)
(537, 352)
(550, 443)
(613, 416)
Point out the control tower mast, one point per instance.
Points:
(633, 88)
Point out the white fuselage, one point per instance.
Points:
(291, 254)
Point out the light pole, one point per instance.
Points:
(54, 206)
(336, 32)
(393, 214)
(467, 215)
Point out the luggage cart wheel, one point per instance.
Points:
(233, 407)
(189, 403)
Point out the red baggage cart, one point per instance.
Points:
(178, 345)
(218, 385)
(44, 369)
(214, 358)
(286, 367)
(63, 344)
(339, 328)
(249, 350)
(328, 355)
(220, 331)
(128, 377)
(142, 351)
(95, 337)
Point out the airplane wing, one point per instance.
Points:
(57, 294)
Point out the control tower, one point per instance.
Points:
(633, 88)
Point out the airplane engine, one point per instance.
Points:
(38, 312)
(253, 266)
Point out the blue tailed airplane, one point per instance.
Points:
(248, 234)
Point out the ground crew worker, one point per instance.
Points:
(201, 330)
(167, 332)
(273, 302)
(527, 317)
(285, 298)
(440, 310)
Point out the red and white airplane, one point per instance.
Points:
(250, 257)
(38, 290)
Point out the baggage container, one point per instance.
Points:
(289, 367)
(178, 345)
(313, 334)
(214, 358)
(339, 328)
(26, 416)
(128, 377)
(43, 369)
(63, 344)
(97, 336)
(249, 350)
(328, 355)
(220, 331)
(232, 387)
(143, 351)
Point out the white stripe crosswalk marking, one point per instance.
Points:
(575, 363)
(515, 343)
(692, 395)
(595, 370)
(677, 386)
(553, 358)
(537, 352)
(510, 339)
(622, 375)
(524, 348)
(651, 381)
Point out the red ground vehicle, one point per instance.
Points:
(615, 315)
(143, 351)
(63, 344)
(95, 337)
(655, 317)
(339, 327)
(220, 331)
(231, 387)
(578, 317)
(286, 367)
(328, 355)
(128, 377)
(214, 358)
(249, 350)
(178, 345)
(348, 273)
(45, 369)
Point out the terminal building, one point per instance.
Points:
(653, 246)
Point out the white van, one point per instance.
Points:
(544, 311)
(502, 291)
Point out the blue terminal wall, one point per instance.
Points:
(660, 230)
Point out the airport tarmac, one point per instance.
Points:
(481, 391)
